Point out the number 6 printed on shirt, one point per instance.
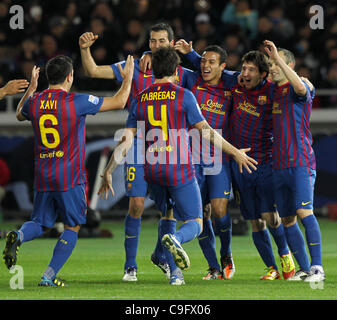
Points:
(44, 131)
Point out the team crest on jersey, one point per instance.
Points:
(227, 93)
(284, 91)
(262, 100)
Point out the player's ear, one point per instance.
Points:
(223, 66)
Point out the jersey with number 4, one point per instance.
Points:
(58, 120)
(167, 111)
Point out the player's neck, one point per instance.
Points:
(166, 79)
(58, 87)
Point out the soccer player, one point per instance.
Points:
(13, 87)
(161, 35)
(250, 124)
(58, 121)
(294, 166)
(214, 97)
(167, 111)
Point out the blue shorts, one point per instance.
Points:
(70, 205)
(185, 199)
(134, 178)
(253, 191)
(214, 186)
(294, 189)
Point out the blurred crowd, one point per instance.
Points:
(53, 27)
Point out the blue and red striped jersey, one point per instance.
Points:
(215, 102)
(251, 121)
(292, 136)
(167, 111)
(141, 81)
(58, 120)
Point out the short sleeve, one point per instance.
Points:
(87, 104)
(297, 97)
(115, 69)
(131, 121)
(25, 108)
(189, 78)
(192, 109)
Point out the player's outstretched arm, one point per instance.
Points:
(116, 158)
(239, 155)
(118, 101)
(31, 89)
(13, 87)
(90, 67)
(291, 75)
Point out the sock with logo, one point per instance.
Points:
(131, 231)
(263, 245)
(29, 231)
(280, 239)
(207, 244)
(188, 231)
(223, 227)
(313, 237)
(62, 251)
(296, 244)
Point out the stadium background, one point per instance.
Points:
(53, 27)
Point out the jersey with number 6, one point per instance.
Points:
(58, 120)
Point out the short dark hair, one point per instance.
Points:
(290, 58)
(217, 49)
(58, 68)
(163, 26)
(165, 62)
(257, 58)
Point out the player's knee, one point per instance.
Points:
(207, 211)
(258, 225)
(76, 228)
(136, 207)
(289, 221)
(272, 218)
(219, 208)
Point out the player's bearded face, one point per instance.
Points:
(159, 39)
(210, 67)
(251, 75)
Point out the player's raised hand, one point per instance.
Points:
(87, 39)
(145, 62)
(244, 161)
(127, 72)
(15, 86)
(106, 185)
(183, 47)
(34, 78)
(270, 49)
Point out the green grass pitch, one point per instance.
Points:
(95, 270)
